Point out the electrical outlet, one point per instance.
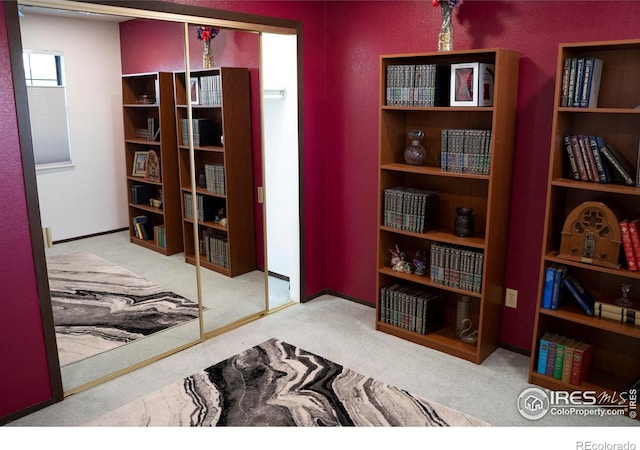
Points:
(511, 298)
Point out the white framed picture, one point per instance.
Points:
(194, 89)
(472, 84)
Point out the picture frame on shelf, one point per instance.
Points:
(472, 84)
(194, 90)
(152, 169)
(140, 164)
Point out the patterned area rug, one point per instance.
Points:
(277, 384)
(98, 306)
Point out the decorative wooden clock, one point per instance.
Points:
(591, 234)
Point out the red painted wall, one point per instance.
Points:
(24, 378)
(360, 31)
(341, 45)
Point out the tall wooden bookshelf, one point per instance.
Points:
(616, 118)
(149, 125)
(488, 194)
(222, 146)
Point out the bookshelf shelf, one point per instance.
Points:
(487, 193)
(222, 150)
(164, 233)
(616, 346)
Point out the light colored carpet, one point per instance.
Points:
(278, 384)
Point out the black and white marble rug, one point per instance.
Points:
(278, 384)
(98, 305)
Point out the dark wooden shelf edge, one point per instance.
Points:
(151, 245)
(435, 341)
(441, 235)
(191, 259)
(426, 281)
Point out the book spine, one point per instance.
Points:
(550, 273)
(566, 364)
(559, 361)
(561, 273)
(580, 294)
(580, 161)
(628, 246)
(543, 354)
(617, 165)
(565, 81)
(571, 157)
(551, 358)
(595, 153)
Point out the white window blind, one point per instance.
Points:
(49, 126)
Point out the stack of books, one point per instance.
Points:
(140, 194)
(151, 133)
(142, 228)
(206, 207)
(216, 249)
(214, 177)
(204, 132)
(408, 209)
(457, 266)
(565, 359)
(210, 90)
(423, 85)
(591, 159)
(413, 308)
(465, 151)
(581, 82)
(160, 236)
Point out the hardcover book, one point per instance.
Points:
(544, 352)
(581, 295)
(580, 369)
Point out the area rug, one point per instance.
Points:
(278, 384)
(99, 306)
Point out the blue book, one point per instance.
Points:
(580, 294)
(544, 351)
(550, 274)
(556, 297)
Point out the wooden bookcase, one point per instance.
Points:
(488, 195)
(149, 96)
(221, 100)
(616, 357)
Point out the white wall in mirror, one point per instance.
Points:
(84, 199)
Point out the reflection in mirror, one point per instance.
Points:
(117, 300)
(222, 104)
(280, 134)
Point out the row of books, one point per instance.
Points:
(210, 90)
(630, 235)
(409, 209)
(159, 236)
(559, 284)
(214, 177)
(216, 249)
(143, 228)
(592, 159)
(140, 194)
(456, 266)
(422, 85)
(151, 133)
(565, 359)
(204, 132)
(412, 308)
(581, 82)
(465, 151)
(206, 207)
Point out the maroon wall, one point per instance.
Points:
(24, 378)
(357, 38)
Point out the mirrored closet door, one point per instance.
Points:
(157, 244)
